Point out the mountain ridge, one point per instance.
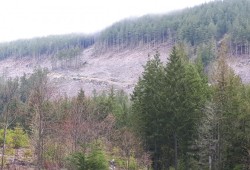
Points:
(115, 56)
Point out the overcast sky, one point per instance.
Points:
(33, 18)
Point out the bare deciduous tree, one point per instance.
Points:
(8, 95)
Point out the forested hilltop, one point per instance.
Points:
(45, 46)
(196, 25)
(199, 25)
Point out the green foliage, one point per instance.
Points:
(95, 160)
(51, 151)
(173, 111)
(102, 106)
(146, 98)
(50, 45)
(167, 104)
(184, 101)
(223, 130)
(229, 97)
(123, 163)
(16, 138)
(207, 52)
(78, 161)
(132, 163)
(20, 138)
(68, 53)
(9, 139)
(115, 102)
(195, 25)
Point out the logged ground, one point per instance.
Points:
(241, 66)
(102, 71)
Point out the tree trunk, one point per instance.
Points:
(128, 163)
(40, 141)
(247, 47)
(4, 141)
(219, 147)
(167, 165)
(241, 51)
(210, 162)
(175, 152)
(236, 49)
(155, 158)
(4, 135)
(231, 48)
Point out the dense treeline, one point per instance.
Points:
(195, 26)
(74, 133)
(187, 124)
(50, 45)
(167, 104)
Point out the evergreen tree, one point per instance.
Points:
(184, 101)
(96, 159)
(167, 105)
(230, 109)
(8, 107)
(147, 106)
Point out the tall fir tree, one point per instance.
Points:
(167, 103)
(232, 147)
(184, 102)
(146, 106)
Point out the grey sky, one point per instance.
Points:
(32, 18)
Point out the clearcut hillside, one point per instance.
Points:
(116, 55)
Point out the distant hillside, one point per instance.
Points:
(196, 25)
(114, 56)
(199, 25)
(51, 45)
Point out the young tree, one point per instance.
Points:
(8, 99)
(39, 107)
(229, 101)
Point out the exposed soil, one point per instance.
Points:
(120, 69)
(241, 66)
(99, 71)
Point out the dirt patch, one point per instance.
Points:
(241, 66)
(99, 71)
(120, 69)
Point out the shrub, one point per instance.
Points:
(94, 160)
(16, 138)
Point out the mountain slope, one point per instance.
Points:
(114, 57)
(98, 71)
(195, 26)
